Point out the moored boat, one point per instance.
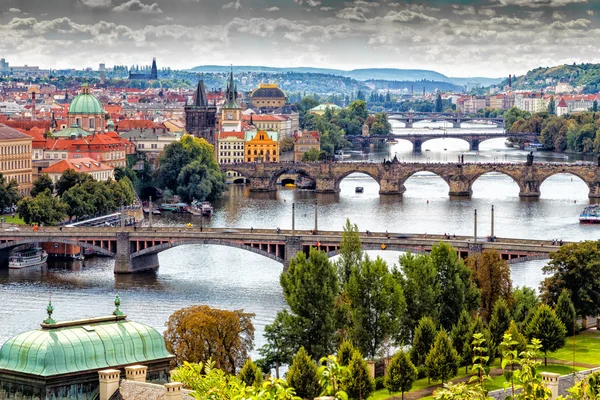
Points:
(358, 189)
(590, 215)
(27, 258)
(206, 208)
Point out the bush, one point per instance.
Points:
(379, 382)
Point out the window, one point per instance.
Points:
(92, 123)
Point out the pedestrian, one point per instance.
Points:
(251, 229)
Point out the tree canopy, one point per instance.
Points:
(9, 193)
(44, 209)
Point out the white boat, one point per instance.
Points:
(27, 258)
(206, 208)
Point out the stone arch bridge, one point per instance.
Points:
(454, 119)
(392, 175)
(136, 250)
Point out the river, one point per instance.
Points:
(235, 279)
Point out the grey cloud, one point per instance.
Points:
(97, 3)
(576, 24)
(137, 5)
(14, 10)
(271, 9)
(467, 10)
(488, 12)
(557, 15)
(539, 3)
(234, 4)
(407, 16)
(590, 12)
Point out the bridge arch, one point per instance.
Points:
(589, 185)
(509, 174)
(184, 242)
(33, 240)
(339, 178)
(428, 138)
(300, 170)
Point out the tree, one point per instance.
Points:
(70, 178)
(425, 334)
(345, 353)
(438, 104)
(525, 300)
(310, 287)
(358, 383)
(80, 200)
(376, 303)
(492, 276)
(595, 106)
(380, 125)
(565, 311)
(532, 386)
(551, 106)
(460, 336)
(350, 252)
(401, 374)
(477, 327)
(42, 183)
(9, 193)
(278, 349)
(197, 181)
(418, 278)
(200, 333)
(457, 290)
(45, 209)
(548, 329)
(517, 336)
(302, 375)
(250, 374)
(575, 267)
(500, 321)
(442, 360)
(311, 155)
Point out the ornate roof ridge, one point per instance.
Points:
(84, 321)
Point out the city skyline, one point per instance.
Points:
(491, 38)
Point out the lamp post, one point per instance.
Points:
(475, 228)
(293, 219)
(150, 211)
(492, 222)
(316, 219)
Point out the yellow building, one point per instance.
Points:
(267, 95)
(15, 158)
(262, 148)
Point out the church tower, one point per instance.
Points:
(200, 117)
(231, 112)
(154, 71)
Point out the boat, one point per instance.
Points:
(533, 146)
(206, 208)
(173, 207)
(359, 189)
(590, 215)
(290, 185)
(340, 155)
(391, 141)
(27, 258)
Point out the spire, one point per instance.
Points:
(231, 94)
(117, 312)
(49, 310)
(153, 71)
(200, 99)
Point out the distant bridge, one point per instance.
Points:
(391, 176)
(455, 119)
(137, 250)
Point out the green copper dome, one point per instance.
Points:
(72, 131)
(85, 103)
(84, 345)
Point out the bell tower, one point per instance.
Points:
(231, 112)
(201, 117)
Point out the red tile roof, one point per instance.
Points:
(79, 165)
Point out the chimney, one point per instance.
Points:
(109, 382)
(551, 381)
(136, 373)
(173, 390)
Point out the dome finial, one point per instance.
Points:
(49, 310)
(117, 312)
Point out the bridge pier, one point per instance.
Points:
(124, 264)
(529, 189)
(262, 184)
(459, 188)
(408, 123)
(417, 143)
(391, 186)
(594, 190)
(326, 185)
(474, 145)
(292, 247)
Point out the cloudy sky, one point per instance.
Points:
(458, 38)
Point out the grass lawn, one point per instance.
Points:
(10, 220)
(585, 346)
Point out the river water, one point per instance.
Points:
(235, 279)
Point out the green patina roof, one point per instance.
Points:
(83, 345)
(73, 130)
(86, 103)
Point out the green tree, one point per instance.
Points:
(380, 125)
(198, 181)
(358, 383)
(492, 276)
(351, 253)
(477, 327)
(80, 200)
(527, 376)
(377, 305)
(500, 321)
(517, 336)
(525, 301)
(302, 375)
(401, 374)
(250, 374)
(9, 193)
(460, 335)
(457, 290)
(201, 333)
(442, 361)
(70, 178)
(565, 311)
(423, 339)
(575, 267)
(310, 287)
(311, 155)
(418, 277)
(547, 328)
(587, 388)
(358, 108)
(345, 353)
(438, 104)
(551, 106)
(278, 349)
(42, 183)
(45, 209)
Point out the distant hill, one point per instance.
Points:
(388, 74)
(586, 75)
(477, 80)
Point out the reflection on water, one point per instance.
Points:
(234, 279)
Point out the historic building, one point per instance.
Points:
(86, 111)
(62, 360)
(152, 75)
(231, 112)
(200, 117)
(263, 147)
(15, 157)
(270, 122)
(230, 148)
(98, 170)
(306, 141)
(267, 95)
